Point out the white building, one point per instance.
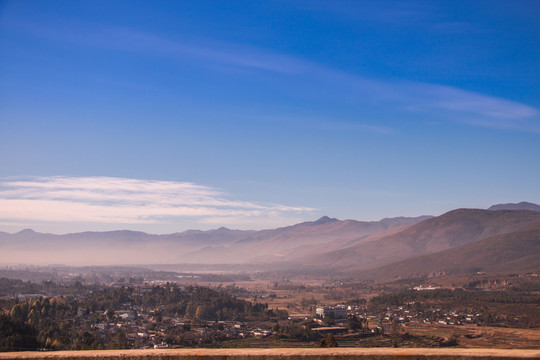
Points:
(337, 313)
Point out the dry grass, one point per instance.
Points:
(271, 354)
(470, 336)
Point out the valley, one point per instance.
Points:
(467, 278)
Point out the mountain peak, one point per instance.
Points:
(325, 219)
(26, 232)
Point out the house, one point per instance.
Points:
(261, 333)
(337, 313)
(127, 315)
(299, 316)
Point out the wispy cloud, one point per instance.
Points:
(438, 101)
(128, 201)
(202, 51)
(411, 14)
(448, 98)
(452, 104)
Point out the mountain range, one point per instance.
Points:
(505, 237)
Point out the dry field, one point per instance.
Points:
(285, 299)
(292, 299)
(292, 354)
(470, 336)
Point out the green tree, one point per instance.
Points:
(17, 336)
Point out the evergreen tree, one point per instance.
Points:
(17, 336)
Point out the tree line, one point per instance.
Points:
(69, 322)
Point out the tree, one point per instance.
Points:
(110, 314)
(396, 327)
(16, 336)
(354, 323)
(199, 313)
(329, 341)
(120, 341)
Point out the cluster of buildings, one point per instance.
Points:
(401, 314)
(143, 330)
(408, 314)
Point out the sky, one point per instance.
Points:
(163, 116)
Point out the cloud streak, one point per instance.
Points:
(126, 201)
(471, 108)
(462, 105)
(407, 97)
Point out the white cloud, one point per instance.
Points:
(127, 201)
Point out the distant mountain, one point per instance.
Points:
(455, 228)
(325, 243)
(193, 246)
(26, 232)
(519, 206)
(516, 252)
(109, 247)
(291, 242)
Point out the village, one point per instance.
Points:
(143, 327)
(140, 313)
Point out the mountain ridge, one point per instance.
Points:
(454, 228)
(524, 205)
(516, 251)
(345, 245)
(209, 246)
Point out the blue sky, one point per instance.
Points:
(164, 116)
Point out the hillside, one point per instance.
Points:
(455, 228)
(515, 252)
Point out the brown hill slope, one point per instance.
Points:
(288, 243)
(455, 228)
(515, 252)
